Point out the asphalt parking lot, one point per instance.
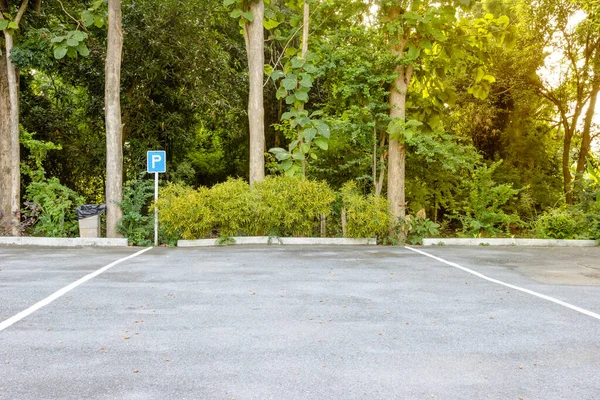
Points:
(283, 322)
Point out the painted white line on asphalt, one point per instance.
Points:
(531, 292)
(6, 323)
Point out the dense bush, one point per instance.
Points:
(291, 206)
(276, 206)
(417, 228)
(57, 208)
(483, 209)
(183, 211)
(568, 223)
(137, 224)
(233, 207)
(50, 206)
(366, 216)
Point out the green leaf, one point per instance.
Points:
(310, 134)
(316, 113)
(293, 145)
(286, 115)
(236, 13)
(290, 51)
(277, 74)
(292, 170)
(503, 21)
(321, 143)
(306, 81)
(270, 23)
(314, 156)
(289, 83)
(290, 99)
(305, 147)
(13, 25)
(299, 155)
(413, 52)
(301, 96)
(79, 36)
(248, 16)
(489, 78)
(277, 150)
(227, 3)
(310, 68)
(323, 128)
(413, 122)
(287, 164)
(71, 52)
(3, 24)
(60, 52)
(281, 93)
(83, 50)
(303, 121)
(72, 42)
(297, 62)
(479, 74)
(98, 21)
(282, 156)
(58, 39)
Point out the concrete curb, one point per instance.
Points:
(61, 242)
(508, 242)
(262, 240)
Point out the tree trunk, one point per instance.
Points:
(6, 158)
(566, 162)
(10, 179)
(114, 129)
(397, 148)
(305, 24)
(256, 114)
(586, 139)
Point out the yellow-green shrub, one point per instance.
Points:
(184, 211)
(291, 205)
(233, 207)
(366, 216)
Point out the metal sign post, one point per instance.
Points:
(156, 163)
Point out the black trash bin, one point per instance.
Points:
(89, 219)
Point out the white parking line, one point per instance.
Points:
(531, 292)
(6, 323)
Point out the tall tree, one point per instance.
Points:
(10, 176)
(114, 129)
(251, 16)
(575, 87)
(430, 38)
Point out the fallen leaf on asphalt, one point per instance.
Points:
(125, 337)
(101, 347)
(135, 371)
(520, 367)
(6, 362)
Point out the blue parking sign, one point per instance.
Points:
(157, 161)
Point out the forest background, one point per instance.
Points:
(402, 119)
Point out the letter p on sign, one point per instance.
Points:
(157, 161)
